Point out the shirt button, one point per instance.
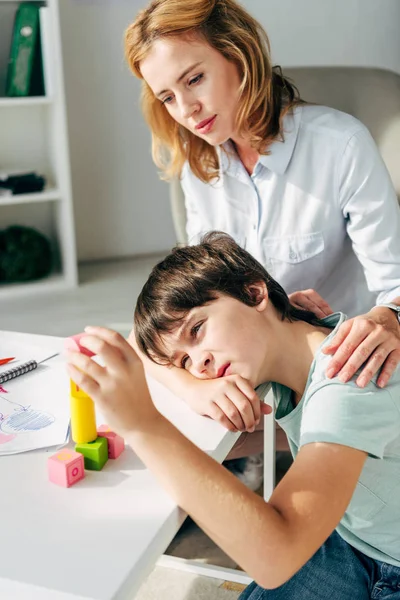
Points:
(254, 227)
(292, 255)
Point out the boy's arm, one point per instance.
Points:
(270, 541)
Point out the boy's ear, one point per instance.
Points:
(259, 293)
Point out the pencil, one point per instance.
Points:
(4, 361)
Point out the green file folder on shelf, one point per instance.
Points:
(25, 70)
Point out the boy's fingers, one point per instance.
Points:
(84, 365)
(229, 407)
(217, 414)
(251, 395)
(83, 380)
(266, 409)
(111, 337)
(110, 353)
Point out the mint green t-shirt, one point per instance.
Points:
(367, 419)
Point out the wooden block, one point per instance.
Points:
(73, 343)
(66, 467)
(83, 420)
(95, 454)
(116, 443)
(76, 391)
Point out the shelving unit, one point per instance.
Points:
(34, 137)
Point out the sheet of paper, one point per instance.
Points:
(34, 409)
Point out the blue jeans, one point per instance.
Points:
(337, 571)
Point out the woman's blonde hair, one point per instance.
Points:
(265, 95)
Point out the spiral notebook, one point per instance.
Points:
(34, 405)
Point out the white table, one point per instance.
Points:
(99, 539)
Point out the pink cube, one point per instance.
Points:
(66, 467)
(116, 444)
(73, 343)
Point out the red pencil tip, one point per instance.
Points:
(4, 361)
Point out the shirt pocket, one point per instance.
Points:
(297, 261)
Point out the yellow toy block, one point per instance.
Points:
(76, 391)
(83, 420)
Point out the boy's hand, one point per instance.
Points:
(119, 389)
(229, 400)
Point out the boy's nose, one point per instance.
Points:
(202, 363)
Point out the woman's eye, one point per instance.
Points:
(167, 100)
(183, 362)
(195, 330)
(196, 79)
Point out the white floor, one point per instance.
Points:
(106, 296)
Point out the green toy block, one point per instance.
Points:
(95, 454)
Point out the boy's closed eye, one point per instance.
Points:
(193, 335)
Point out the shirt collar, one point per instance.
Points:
(280, 151)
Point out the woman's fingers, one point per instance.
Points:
(311, 300)
(363, 341)
(339, 337)
(375, 362)
(389, 368)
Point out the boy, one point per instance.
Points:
(332, 526)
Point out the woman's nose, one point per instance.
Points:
(189, 106)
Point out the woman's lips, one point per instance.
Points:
(206, 125)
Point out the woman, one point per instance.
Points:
(301, 187)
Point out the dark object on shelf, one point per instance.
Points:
(25, 66)
(23, 183)
(25, 254)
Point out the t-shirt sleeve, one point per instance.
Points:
(363, 418)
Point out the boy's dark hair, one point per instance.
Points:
(192, 276)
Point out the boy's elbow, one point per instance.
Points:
(273, 577)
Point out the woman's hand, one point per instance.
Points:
(311, 300)
(230, 400)
(373, 338)
(119, 388)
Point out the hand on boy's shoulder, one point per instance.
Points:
(230, 400)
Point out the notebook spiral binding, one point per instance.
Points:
(17, 371)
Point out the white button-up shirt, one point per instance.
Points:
(319, 211)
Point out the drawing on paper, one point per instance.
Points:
(17, 419)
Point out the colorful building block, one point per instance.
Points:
(95, 454)
(66, 467)
(73, 343)
(83, 420)
(116, 444)
(76, 391)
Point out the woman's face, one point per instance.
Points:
(198, 86)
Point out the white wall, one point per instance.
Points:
(121, 208)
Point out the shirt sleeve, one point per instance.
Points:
(370, 207)
(363, 418)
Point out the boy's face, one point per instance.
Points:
(224, 337)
